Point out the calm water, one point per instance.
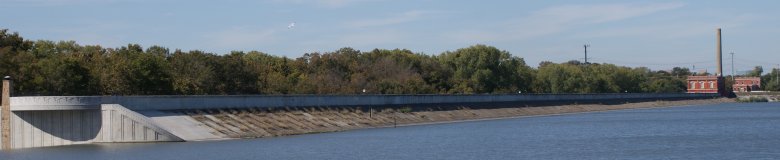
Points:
(725, 131)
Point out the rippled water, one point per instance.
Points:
(724, 131)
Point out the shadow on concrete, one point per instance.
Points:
(39, 127)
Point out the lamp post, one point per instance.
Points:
(370, 108)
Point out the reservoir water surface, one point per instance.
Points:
(722, 131)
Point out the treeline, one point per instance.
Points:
(67, 68)
(769, 81)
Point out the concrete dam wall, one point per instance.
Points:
(64, 120)
(138, 103)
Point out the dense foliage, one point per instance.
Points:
(67, 68)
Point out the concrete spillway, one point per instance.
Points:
(64, 120)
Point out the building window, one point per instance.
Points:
(693, 85)
(701, 84)
(712, 85)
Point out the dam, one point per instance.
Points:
(39, 121)
(64, 120)
(715, 131)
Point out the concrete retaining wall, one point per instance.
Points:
(55, 127)
(111, 123)
(123, 125)
(138, 103)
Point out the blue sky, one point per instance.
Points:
(657, 34)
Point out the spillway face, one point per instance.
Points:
(270, 122)
(265, 122)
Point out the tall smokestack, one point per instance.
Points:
(720, 55)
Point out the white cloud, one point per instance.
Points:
(397, 19)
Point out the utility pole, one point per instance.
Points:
(732, 66)
(586, 52)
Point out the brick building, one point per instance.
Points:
(746, 84)
(706, 84)
(714, 83)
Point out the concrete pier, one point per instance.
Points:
(5, 114)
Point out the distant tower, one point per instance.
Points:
(719, 55)
(714, 83)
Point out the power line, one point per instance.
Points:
(655, 64)
(756, 61)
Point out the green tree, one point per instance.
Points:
(65, 68)
(484, 69)
(681, 72)
(271, 71)
(64, 76)
(15, 60)
(193, 72)
(559, 78)
(600, 78)
(770, 81)
(149, 74)
(664, 84)
(756, 72)
(235, 76)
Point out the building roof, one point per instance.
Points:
(702, 77)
